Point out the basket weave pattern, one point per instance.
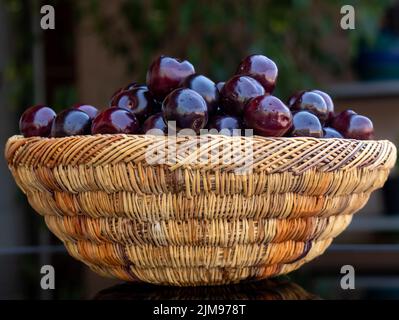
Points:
(197, 222)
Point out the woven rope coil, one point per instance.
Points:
(221, 210)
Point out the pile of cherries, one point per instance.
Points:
(176, 97)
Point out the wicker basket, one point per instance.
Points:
(197, 222)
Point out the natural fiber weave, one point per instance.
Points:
(189, 222)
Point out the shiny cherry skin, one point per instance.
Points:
(306, 124)
(115, 120)
(314, 103)
(155, 122)
(227, 125)
(261, 68)
(36, 121)
(206, 88)
(139, 101)
(134, 85)
(331, 133)
(268, 116)
(360, 128)
(237, 92)
(187, 108)
(166, 74)
(294, 97)
(130, 86)
(90, 110)
(341, 121)
(71, 122)
(220, 86)
(329, 103)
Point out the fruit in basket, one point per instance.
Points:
(36, 121)
(294, 97)
(331, 133)
(166, 74)
(187, 108)
(134, 85)
(115, 120)
(220, 85)
(71, 122)
(312, 102)
(174, 92)
(359, 127)
(206, 88)
(261, 68)
(268, 116)
(329, 103)
(225, 124)
(340, 121)
(237, 92)
(306, 124)
(91, 111)
(139, 101)
(155, 122)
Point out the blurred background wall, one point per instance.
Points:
(98, 46)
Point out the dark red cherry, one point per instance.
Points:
(360, 128)
(329, 103)
(331, 133)
(268, 116)
(139, 101)
(134, 85)
(227, 125)
(294, 98)
(206, 88)
(166, 74)
(306, 124)
(262, 69)
(115, 120)
(36, 121)
(90, 110)
(130, 86)
(220, 85)
(237, 92)
(155, 122)
(314, 103)
(187, 108)
(341, 121)
(71, 122)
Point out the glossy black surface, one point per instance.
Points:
(319, 279)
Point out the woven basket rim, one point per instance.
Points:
(149, 136)
(267, 154)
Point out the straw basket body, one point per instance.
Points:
(198, 210)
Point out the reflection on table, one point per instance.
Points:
(273, 289)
